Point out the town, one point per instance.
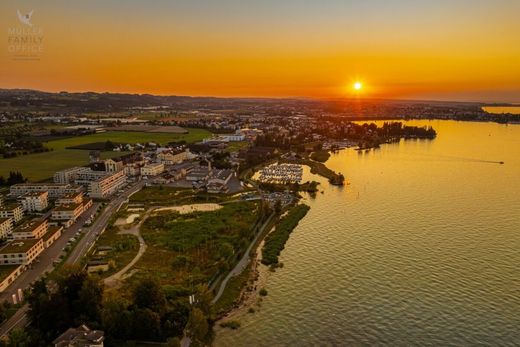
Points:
(87, 191)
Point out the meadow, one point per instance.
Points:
(186, 250)
(41, 166)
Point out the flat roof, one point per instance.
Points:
(6, 270)
(30, 194)
(71, 195)
(19, 246)
(29, 225)
(52, 231)
(67, 207)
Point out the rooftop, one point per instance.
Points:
(79, 336)
(51, 232)
(29, 225)
(67, 207)
(34, 194)
(19, 246)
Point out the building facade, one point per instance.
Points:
(35, 201)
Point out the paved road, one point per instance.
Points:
(241, 265)
(46, 259)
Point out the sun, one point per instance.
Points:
(358, 86)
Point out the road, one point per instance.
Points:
(241, 265)
(45, 261)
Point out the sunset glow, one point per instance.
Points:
(458, 50)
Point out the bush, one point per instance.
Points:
(275, 241)
(232, 324)
(263, 292)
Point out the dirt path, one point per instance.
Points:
(115, 279)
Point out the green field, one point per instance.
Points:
(194, 135)
(190, 249)
(42, 166)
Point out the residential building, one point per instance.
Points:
(113, 166)
(21, 252)
(68, 214)
(101, 184)
(68, 175)
(9, 274)
(80, 337)
(6, 227)
(172, 158)
(14, 211)
(32, 229)
(72, 198)
(200, 173)
(35, 201)
(1, 200)
(52, 235)
(55, 190)
(152, 169)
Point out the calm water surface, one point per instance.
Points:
(422, 249)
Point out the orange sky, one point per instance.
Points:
(456, 50)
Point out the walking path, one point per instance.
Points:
(116, 278)
(241, 265)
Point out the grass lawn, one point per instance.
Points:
(194, 135)
(42, 166)
(237, 146)
(166, 196)
(124, 249)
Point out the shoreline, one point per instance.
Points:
(258, 275)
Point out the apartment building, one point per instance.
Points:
(72, 198)
(6, 227)
(68, 175)
(21, 252)
(152, 169)
(32, 229)
(55, 190)
(35, 201)
(172, 158)
(101, 184)
(112, 165)
(13, 211)
(52, 235)
(67, 214)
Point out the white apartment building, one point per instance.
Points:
(35, 201)
(55, 190)
(152, 169)
(68, 175)
(13, 211)
(6, 227)
(101, 184)
(22, 252)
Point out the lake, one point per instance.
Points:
(422, 248)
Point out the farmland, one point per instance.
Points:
(42, 166)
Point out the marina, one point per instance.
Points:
(281, 173)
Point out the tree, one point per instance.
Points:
(146, 325)
(149, 294)
(197, 327)
(116, 318)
